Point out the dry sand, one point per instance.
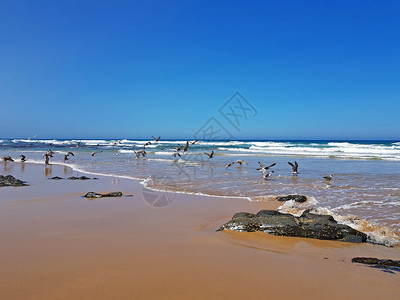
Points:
(56, 244)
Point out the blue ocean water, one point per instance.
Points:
(364, 191)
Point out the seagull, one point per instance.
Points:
(194, 142)
(65, 157)
(23, 158)
(329, 177)
(70, 153)
(210, 155)
(47, 156)
(294, 167)
(264, 167)
(140, 153)
(156, 139)
(94, 153)
(179, 148)
(186, 147)
(230, 164)
(7, 158)
(267, 174)
(148, 143)
(240, 162)
(176, 154)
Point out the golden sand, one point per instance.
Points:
(56, 244)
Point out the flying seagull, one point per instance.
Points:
(186, 147)
(267, 174)
(262, 167)
(230, 164)
(294, 167)
(210, 155)
(23, 158)
(156, 139)
(241, 162)
(194, 142)
(176, 154)
(7, 158)
(94, 153)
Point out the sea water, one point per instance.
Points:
(364, 192)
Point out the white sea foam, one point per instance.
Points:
(377, 234)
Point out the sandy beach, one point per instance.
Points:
(55, 244)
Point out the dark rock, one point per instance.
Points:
(10, 180)
(380, 263)
(297, 198)
(308, 225)
(78, 178)
(98, 195)
(56, 178)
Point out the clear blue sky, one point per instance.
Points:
(125, 69)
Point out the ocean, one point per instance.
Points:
(364, 192)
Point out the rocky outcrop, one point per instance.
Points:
(297, 198)
(308, 225)
(379, 263)
(10, 180)
(98, 195)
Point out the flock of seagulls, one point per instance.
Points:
(179, 151)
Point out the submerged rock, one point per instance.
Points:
(10, 180)
(380, 263)
(308, 225)
(297, 198)
(98, 195)
(79, 178)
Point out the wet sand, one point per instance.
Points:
(56, 244)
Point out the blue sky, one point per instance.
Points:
(132, 69)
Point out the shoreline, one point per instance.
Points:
(377, 233)
(58, 245)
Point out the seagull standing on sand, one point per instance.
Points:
(294, 167)
(210, 155)
(7, 158)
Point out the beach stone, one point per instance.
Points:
(78, 178)
(98, 195)
(296, 198)
(380, 263)
(308, 225)
(10, 180)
